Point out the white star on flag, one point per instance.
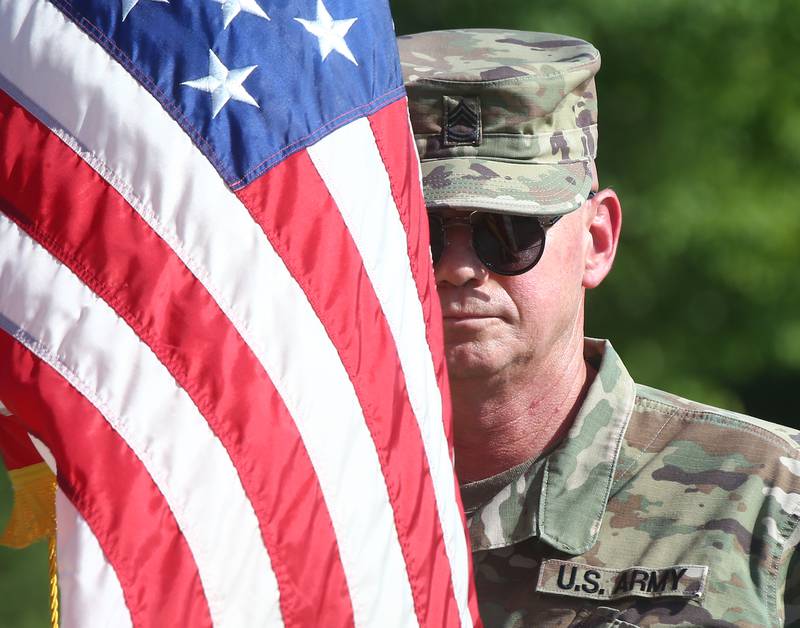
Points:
(127, 5)
(232, 8)
(223, 84)
(329, 32)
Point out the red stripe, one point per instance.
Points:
(108, 485)
(393, 136)
(16, 449)
(89, 227)
(293, 206)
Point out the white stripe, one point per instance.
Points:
(79, 335)
(3, 410)
(45, 453)
(349, 162)
(184, 200)
(90, 593)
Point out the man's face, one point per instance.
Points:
(500, 325)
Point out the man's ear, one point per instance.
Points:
(603, 225)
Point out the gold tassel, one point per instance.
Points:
(53, 580)
(33, 514)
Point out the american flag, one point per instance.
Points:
(218, 322)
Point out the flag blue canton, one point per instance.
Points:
(252, 81)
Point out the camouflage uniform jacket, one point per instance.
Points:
(653, 511)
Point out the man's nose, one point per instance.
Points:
(459, 264)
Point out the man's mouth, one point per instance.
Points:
(456, 317)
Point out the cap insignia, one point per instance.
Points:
(462, 121)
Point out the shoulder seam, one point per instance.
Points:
(669, 416)
(723, 420)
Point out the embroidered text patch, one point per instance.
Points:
(574, 579)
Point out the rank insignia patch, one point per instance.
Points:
(462, 121)
(564, 577)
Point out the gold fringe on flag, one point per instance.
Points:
(33, 514)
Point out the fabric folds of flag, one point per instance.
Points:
(218, 323)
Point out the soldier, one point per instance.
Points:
(590, 500)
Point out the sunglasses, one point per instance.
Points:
(504, 243)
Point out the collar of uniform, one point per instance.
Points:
(501, 510)
(578, 475)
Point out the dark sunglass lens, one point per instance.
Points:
(437, 236)
(508, 244)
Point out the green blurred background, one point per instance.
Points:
(700, 137)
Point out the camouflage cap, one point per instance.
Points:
(504, 121)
